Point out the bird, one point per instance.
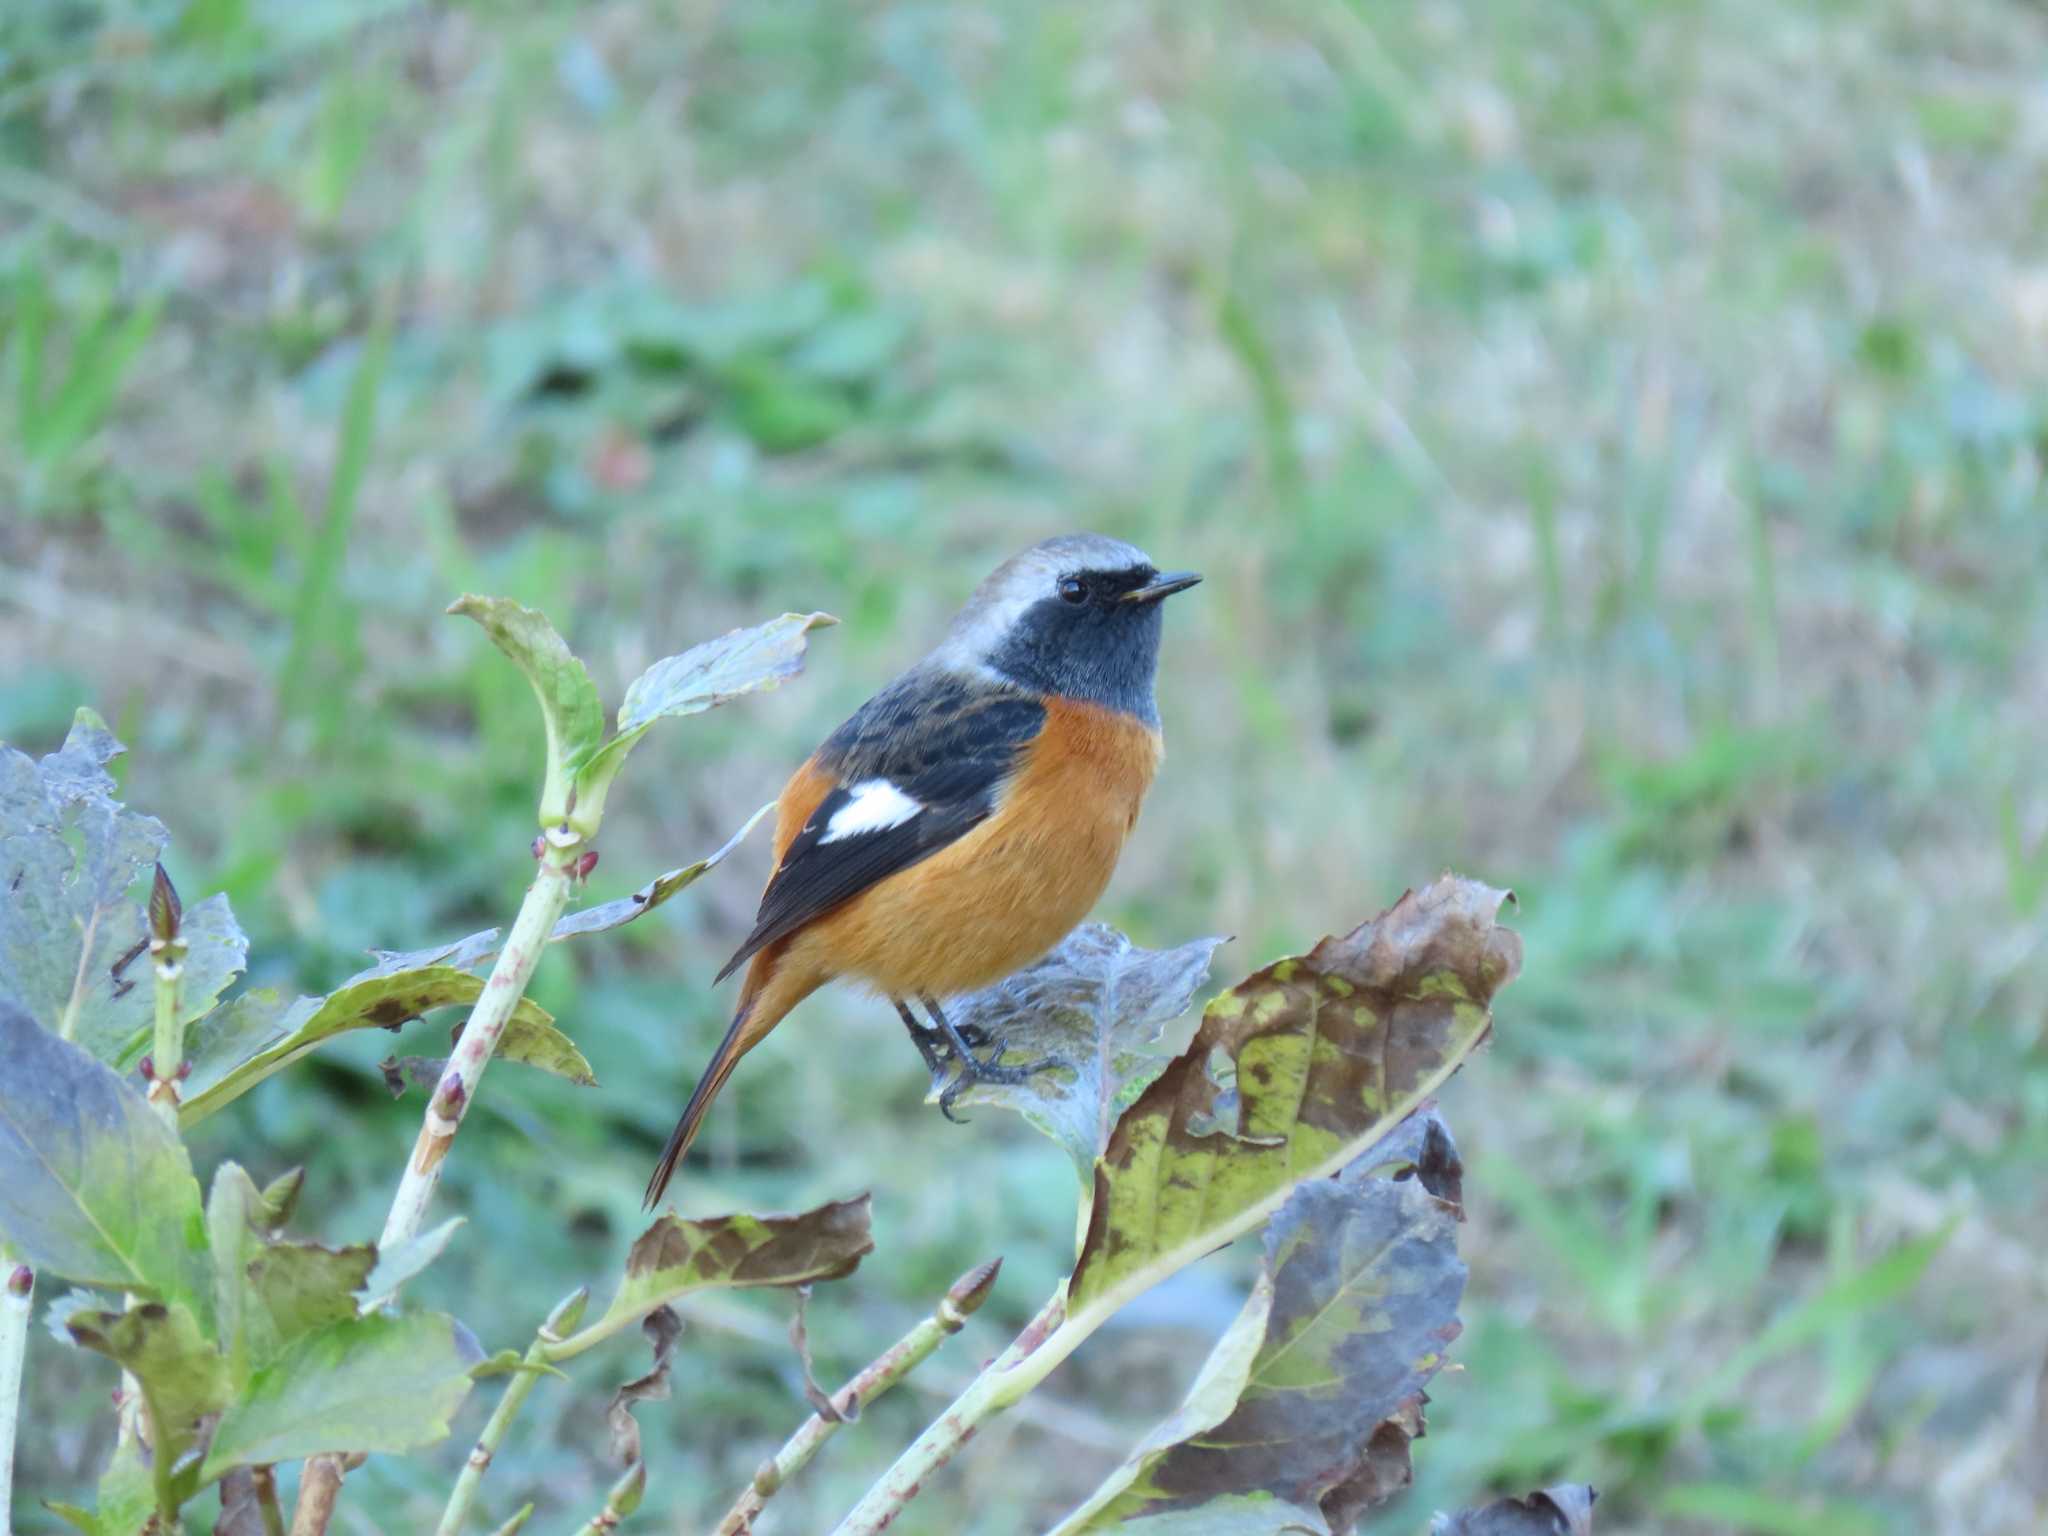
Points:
(965, 818)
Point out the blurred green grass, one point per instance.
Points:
(1613, 434)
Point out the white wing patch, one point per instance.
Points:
(874, 805)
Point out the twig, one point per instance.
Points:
(561, 1322)
(264, 1480)
(1046, 1340)
(717, 1310)
(888, 1368)
(623, 1500)
(320, 1489)
(166, 1062)
(16, 1290)
(545, 899)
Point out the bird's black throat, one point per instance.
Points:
(1103, 651)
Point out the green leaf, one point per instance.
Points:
(1098, 1006)
(1303, 1416)
(740, 662)
(72, 930)
(269, 1294)
(1565, 1510)
(1291, 1074)
(124, 1504)
(537, 1043)
(182, 1375)
(94, 1187)
(569, 706)
(397, 1265)
(236, 1047)
(674, 1257)
(233, 1238)
(297, 1289)
(376, 1383)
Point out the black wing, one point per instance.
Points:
(947, 742)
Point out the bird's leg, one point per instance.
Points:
(921, 1037)
(972, 1068)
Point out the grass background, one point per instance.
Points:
(1613, 433)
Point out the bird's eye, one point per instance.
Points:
(1073, 589)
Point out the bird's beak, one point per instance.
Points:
(1163, 585)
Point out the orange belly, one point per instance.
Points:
(1009, 890)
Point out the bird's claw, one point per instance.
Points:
(974, 1070)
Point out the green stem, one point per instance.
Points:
(17, 1290)
(517, 1389)
(1046, 1340)
(450, 1101)
(265, 1479)
(888, 1368)
(624, 1499)
(520, 1385)
(167, 1052)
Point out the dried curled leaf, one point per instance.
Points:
(1565, 1510)
(1291, 1074)
(74, 869)
(1099, 1007)
(674, 1257)
(1302, 1418)
(662, 1328)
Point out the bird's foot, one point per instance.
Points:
(974, 1070)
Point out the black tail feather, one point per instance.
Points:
(730, 1049)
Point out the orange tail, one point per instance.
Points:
(768, 996)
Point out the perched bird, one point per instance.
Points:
(969, 815)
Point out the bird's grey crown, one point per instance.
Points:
(1018, 632)
(1027, 577)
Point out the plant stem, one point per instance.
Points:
(517, 1389)
(450, 1101)
(320, 1491)
(623, 1500)
(265, 1481)
(17, 1289)
(167, 1052)
(888, 1368)
(568, 1312)
(1046, 1340)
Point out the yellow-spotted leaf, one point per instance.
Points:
(674, 1257)
(1292, 1074)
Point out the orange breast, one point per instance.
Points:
(1013, 887)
